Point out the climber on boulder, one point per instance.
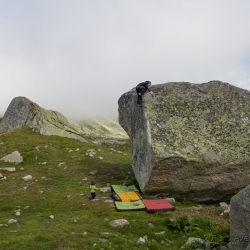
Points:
(141, 89)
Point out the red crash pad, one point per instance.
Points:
(155, 205)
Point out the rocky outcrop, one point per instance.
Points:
(189, 140)
(104, 131)
(240, 220)
(23, 112)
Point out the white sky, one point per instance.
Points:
(79, 56)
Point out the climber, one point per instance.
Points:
(141, 89)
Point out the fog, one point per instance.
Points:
(78, 57)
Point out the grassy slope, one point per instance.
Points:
(66, 196)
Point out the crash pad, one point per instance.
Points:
(128, 196)
(128, 206)
(154, 205)
(121, 188)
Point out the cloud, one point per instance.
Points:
(79, 57)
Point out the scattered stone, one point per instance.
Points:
(27, 177)
(151, 225)
(105, 189)
(12, 221)
(22, 169)
(3, 225)
(37, 148)
(171, 200)
(70, 151)
(1, 176)
(209, 245)
(60, 164)
(100, 157)
(93, 172)
(45, 146)
(52, 216)
(18, 213)
(40, 192)
(224, 205)
(44, 163)
(118, 223)
(141, 241)
(3, 179)
(102, 240)
(109, 201)
(160, 233)
(27, 207)
(106, 233)
(13, 157)
(83, 234)
(10, 169)
(24, 188)
(85, 179)
(191, 240)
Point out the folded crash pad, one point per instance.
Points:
(128, 196)
(121, 188)
(128, 206)
(154, 205)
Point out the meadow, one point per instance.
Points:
(57, 214)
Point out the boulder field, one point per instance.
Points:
(189, 141)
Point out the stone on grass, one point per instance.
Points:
(27, 177)
(13, 157)
(171, 200)
(10, 169)
(141, 241)
(12, 221)
(105, 189)
(192, 240)
(118, 223)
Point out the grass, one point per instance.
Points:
(60, 187)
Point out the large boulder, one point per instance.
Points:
(23, 112)
(189, 140)
(240, 220)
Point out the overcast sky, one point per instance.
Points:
(79, 56)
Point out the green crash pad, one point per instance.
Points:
(128, 206)
(122, 189)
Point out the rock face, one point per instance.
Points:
(104, 131)
(23, 112)
(189, 140)
(240, 220)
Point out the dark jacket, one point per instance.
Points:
(143, 84)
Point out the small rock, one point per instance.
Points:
(93, 172)
(3, 225)
(10, 169)
(151, 225)
(18, 213)
(159, 233)
(102, 240)
(119, 223)
(12, 221)
(171, 200)
(27, 177)
(141, 241)
(52, 216)
(105, 189)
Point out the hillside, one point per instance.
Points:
(55, 210)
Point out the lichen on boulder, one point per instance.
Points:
(23, 112)
(189, 140)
